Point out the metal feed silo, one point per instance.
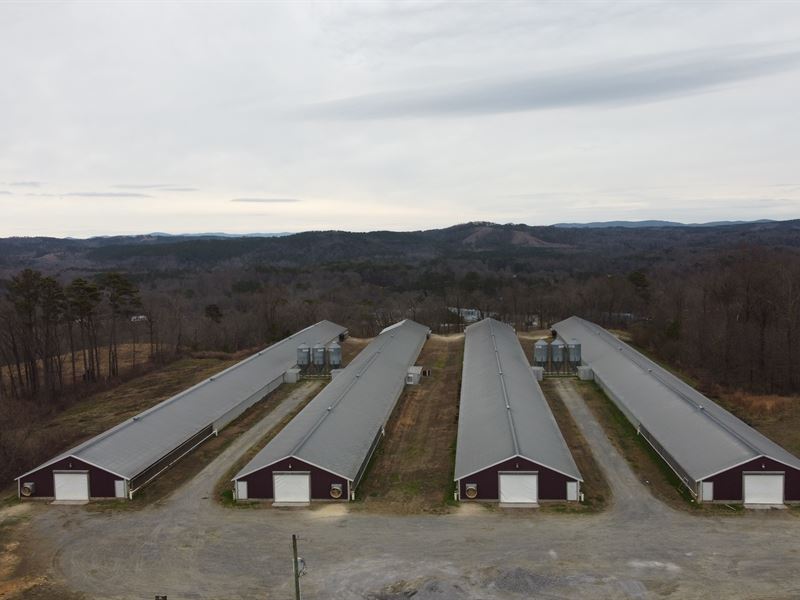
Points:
(574, 349)
(540, 353)
(318, 355)
(557, 351)
(334, 355)
(303, 355)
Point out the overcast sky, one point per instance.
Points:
(264, 117)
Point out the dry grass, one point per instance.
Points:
(595, 488)
(412, 470)
(777, 417)
(351, 347)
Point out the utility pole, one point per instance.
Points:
(295, 568)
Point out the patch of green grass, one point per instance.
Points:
(226, 497)
(10, 500)
(411, 488)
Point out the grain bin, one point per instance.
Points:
(318, 355)
(334, 355)
(557, 351)
(540, 349)
(303, 355)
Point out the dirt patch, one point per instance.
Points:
(412, 470)
(20, 575)
(595, 488)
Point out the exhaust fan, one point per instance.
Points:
(28, 488)
(336, 490)
(472, 491)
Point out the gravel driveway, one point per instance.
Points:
(189, 547)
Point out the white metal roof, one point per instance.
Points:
(132, 446)
(503, 411)
(701, 436)
(336, 430)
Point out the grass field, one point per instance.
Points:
(777, 417)
(412, 470)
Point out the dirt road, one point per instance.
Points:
(189, 547)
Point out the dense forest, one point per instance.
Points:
(721, 303)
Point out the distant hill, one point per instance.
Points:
(655, 223)
(545, 252)
(219, 234)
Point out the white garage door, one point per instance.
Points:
(71, 486)
(292, 487)
(518, 488)
(763, 489)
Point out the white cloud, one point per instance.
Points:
(555, 106)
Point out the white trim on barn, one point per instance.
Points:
(500, 462)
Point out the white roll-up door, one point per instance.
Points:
(71, 485)
(519, 488)
(766, 488)
(292, 487)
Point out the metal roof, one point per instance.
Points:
(336, 430)
(129, 448)
(503, 411)
(701, 436)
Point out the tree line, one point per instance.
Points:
(54, 337)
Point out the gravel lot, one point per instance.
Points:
(189, 547)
